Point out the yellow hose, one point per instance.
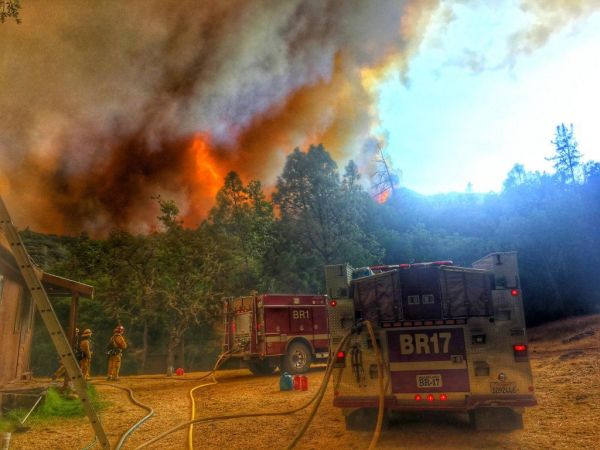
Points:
(323, 388)
(381, 408)
(220, 360)
(319, 393)
(193, 415)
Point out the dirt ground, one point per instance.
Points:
(565, 357)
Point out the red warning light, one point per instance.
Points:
(430, 398)
(333, 303)
(443, 397)
(520, 347)
(514, 292)
(341, 355)
(418, 397)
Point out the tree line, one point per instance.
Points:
(166, 286)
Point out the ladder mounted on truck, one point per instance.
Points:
(53, 326)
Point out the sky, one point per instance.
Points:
(469, 108)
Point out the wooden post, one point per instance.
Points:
(71, 332)
(73, 317)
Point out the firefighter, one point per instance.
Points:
(115, 350)
(85, 353)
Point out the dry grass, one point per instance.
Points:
(566, 418)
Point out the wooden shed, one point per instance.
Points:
(17, 313)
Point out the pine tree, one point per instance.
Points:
(567, 157)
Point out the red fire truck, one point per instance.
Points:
(452, 338)
(277, 330)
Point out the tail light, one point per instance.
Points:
(418, 397)
(520, 351)
(430, 398)
(340, 359)
(443, 397)
(514, 292)
(333, 303)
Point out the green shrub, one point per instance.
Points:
(58, 405)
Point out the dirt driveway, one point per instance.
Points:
(567, 381)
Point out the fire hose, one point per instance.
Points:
(316, 399)
(268, 413)
(131, 429)
(135, 426)
(381, 406)
(128, 433)
(222, 358)
(321, 393)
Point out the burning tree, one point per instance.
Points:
(384, 179)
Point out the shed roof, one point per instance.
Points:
(53, 284)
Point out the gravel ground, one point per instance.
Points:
(567, 379)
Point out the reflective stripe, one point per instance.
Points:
(308, 337)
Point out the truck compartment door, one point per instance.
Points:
(301, 321)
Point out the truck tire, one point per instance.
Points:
(365, 419)
(261, 367)
(495, 419)
(297, 359)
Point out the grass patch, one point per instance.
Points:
(54, 407)
(58, 405)
(7, 425)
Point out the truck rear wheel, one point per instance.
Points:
(365, 419)
(298, 358)
(495, 419)
(261, 367)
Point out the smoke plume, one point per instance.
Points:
(106, 104)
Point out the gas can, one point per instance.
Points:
(285, 382)
(304, 383)
(297, 383)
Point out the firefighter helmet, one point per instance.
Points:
(119, 329)
(86, 332)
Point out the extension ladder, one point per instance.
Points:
(45, 309)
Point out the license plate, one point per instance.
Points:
(429, 381)
(507, 387)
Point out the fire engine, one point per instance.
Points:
(452, 338)
(276, 330)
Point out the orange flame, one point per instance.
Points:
(204, 173)
(382, 196)
(207, 170)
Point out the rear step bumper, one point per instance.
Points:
(470, 402)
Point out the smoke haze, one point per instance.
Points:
(106, 104)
